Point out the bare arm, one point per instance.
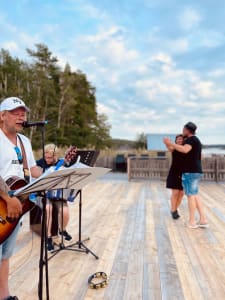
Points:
(180, 148)
(183, 148)
(168, 146)
(36, 171)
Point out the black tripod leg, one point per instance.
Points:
(46, 263)
(80, 247)
(80, 242)
(62, 246)
(80, 216)
(88, 250)
(41, 265)
(43, 262)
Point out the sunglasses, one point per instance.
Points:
(19, 155)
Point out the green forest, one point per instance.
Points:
(63, 97)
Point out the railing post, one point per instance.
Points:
(216, 169)
(129, 168)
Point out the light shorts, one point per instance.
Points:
(190, 182)
(7, 247)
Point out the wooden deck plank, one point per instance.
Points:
(134, 280)
(190, 286)
(145, 253)
(120, 268)
(151, 282)
(170, 281)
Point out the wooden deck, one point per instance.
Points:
(146, 253)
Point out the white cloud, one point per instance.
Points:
(212, 39)
(145, 79)
(10, 46)
(217, 73)
(117, 53)
(162, 94)
(162, 57)
(51, 28)
(179, 45)
(27, 39)
(105, 34)
(85, 8)
(217, 106)
(90, 60)
(62, 61)
(142, 69)
(91, 11)
(171, 110)
(189, 104)
(205, 89)
(189, 18)
(109, 46)
(6, 26)
(105, 109)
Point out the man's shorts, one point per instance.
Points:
(7, 247)
(190, 182)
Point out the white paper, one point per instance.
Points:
(74, 177)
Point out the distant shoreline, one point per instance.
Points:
(214, 146)
(210, 150)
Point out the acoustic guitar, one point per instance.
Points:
(7, 225)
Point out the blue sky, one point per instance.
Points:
(156, 64)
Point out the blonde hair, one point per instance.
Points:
(51, 148)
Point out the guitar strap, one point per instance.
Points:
(26, 170)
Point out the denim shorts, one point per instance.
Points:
(190, 183)
(7, 247)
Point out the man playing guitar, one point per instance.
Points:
(12, 113)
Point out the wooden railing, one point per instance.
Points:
(155, 168)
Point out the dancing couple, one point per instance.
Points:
(185, 174)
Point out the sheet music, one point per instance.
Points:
(74, 177)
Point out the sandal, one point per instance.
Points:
(203, 225)
(192, 226)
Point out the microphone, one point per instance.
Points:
(28, 124)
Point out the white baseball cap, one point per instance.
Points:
(12, 103)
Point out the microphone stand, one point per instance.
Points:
(43, 261)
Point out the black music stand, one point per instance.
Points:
(68, 178)
(87, 157)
